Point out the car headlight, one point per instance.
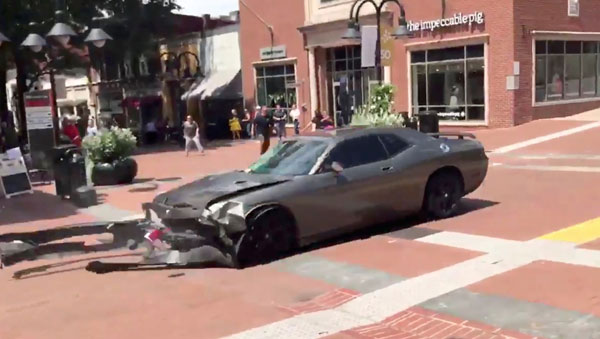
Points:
(228, 213)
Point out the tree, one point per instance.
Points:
(134, 25)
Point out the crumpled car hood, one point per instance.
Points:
(200, 193)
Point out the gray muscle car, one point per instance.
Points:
(310, 188)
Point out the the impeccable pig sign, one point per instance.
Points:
(457, 20)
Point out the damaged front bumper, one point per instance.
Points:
(166, 236)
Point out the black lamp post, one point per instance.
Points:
(62, 33)
(353, 31)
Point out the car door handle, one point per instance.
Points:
(387, 169)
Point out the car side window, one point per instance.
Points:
(358, 151)
(393, 144)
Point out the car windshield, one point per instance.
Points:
(290, 157)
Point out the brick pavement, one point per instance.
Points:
(214, 303)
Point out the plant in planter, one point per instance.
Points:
(110, 153)
(379, 112)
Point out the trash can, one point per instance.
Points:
(429, 122)
(69, 170)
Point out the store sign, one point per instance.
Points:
(387, 45)
(458, 19)
(38, 110)
(573, 8)
(274, 52)
(40, 127)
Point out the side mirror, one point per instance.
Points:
(337, 167)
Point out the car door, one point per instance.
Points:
(405, 182)
(356, 193)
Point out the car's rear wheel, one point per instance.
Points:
(444, 191)
(269, 234)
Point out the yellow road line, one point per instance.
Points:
(578, 234)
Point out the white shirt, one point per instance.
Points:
(92, 131)
(295, 113)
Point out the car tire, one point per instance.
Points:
(442, 195)
(270, 233)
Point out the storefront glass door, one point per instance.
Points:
(348, 83)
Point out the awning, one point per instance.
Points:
(224, 85)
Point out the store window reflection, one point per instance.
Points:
(566, 70)
(275, 85)
(449, 81)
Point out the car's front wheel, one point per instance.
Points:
(269, 233)
(444, 191)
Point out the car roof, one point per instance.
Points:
(341, 134)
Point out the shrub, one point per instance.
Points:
(115, 144)
(379, 111)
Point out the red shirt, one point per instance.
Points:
(73, 133)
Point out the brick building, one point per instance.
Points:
(479, 63)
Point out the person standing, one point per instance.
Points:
(295, 115)
(234, 125)
(191, 133)
(70, 130)
(247, 123)
(280, 117)
(263, 126)
(92, 130)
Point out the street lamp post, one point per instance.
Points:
(62, 33)
(353, 31)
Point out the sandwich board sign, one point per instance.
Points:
(40, 127)
(14, 178)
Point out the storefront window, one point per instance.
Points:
(450, 81)
(275, 85)
(569, 70)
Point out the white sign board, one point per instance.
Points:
(14, 178)
(573, 8)
(39, 117)
(369, 46)
(275, 52)
(457, 19)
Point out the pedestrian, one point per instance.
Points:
(92, 130)
(263, 126)
(318, 120)
(191, 134)
(247, 123)
(295, 115)
(70, 130)
(280, 118)
(151, 132)
(234, 125)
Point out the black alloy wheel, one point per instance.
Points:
(444, 190)
(270, 233)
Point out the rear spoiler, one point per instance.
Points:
(458, 135)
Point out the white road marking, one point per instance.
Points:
(503, 256)
(545, 138)
(585, 169)
(560, 157)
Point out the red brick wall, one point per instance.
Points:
(498, 24)
(547, 15)
(285, 16)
